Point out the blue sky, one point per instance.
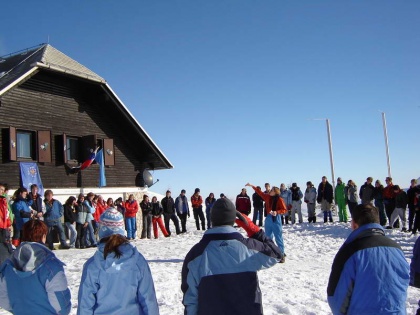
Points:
(227, 88)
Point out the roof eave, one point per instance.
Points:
(18, 80)
(64, 70)
(154, 146)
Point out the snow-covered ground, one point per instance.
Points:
(297, 287)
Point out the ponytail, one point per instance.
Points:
(112, 244)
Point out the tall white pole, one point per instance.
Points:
(386, 144)
(331, 153)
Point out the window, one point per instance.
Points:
(72, 148)
(24, 144)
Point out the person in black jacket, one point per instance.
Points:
(379, 201)
(168, 206)
(325, 198)
(258, 204)
(400, 208)
(157, 212)
(70, 217)
(366, 192)
(412, 200)
(35, 201)
(146, 209)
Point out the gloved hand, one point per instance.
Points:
(289, 207)
(246, 223)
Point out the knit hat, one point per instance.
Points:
(111, 222)
(223, 212)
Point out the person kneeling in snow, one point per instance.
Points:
(219, 274)
(369, 274)
(32, 280)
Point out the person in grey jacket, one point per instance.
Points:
(351, 193)
(82, 221)
(310, 199)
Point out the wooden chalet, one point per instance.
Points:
(54, 111)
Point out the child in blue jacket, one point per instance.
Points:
(117, 279)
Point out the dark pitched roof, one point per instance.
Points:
(16, 68)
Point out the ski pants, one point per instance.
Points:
(297, 208)
(274, 230)
(398, 212)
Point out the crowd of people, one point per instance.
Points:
(231, 259)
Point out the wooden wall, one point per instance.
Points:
(75, 107)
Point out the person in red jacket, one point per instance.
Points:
(5, 247)
(101, 206)
(275, 207)
(197, 205)
(243, 202)
(389, 200)
(131, 209)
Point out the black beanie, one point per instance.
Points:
(223, 212)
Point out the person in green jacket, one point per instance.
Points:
(340, 200)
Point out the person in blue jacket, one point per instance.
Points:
(219, 274)
(182, 210)
(54, 211)
(117, 279)
(32, 280)
(370, 274)
(415, 269)
(22, 212)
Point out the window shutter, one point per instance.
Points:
(12, 144)
(87, 145)
(64, 148)
(109, 152)
(44, 146)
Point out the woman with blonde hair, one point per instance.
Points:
(117, 279)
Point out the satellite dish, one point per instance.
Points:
(148, 179)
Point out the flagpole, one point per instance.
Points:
(331, 152)
(386, 144)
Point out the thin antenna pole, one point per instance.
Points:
(331, 153)
(48, 39)
(386, 144)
